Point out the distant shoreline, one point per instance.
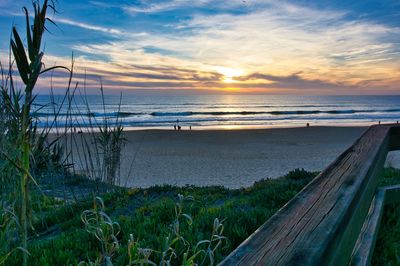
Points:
(250, 127)
(227, 128)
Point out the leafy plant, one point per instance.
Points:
(175, 249)
(30, 67)
(100, 225)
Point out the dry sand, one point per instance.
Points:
(230, 158)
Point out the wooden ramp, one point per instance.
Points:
(320, 226)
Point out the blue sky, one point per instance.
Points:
(249, 46)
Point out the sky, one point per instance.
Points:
(297, 47)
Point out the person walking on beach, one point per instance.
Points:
(174, 127)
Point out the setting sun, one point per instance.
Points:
(229, 74)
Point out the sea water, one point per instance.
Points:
(215, 111)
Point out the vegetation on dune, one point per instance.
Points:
(145, 216)
(387, 249)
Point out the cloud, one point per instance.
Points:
(326, 49)
(142, 73)
(104, 4)
(275, 36)
(112, 31)
(173, 5)
(162, 6)
(293, 81)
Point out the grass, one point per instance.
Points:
(387, 249)
(60, 237)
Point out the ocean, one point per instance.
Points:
(218, 111)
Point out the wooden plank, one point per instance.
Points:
(365, 244)
(321, 224)
(364, 248)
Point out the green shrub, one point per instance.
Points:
(299, 173)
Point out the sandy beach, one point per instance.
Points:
(230, 158)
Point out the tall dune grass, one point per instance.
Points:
(20, 130)
(98, 150)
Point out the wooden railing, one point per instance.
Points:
(321, 225)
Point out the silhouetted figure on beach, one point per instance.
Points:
(308, 124)
(190, 127)
(174, 127)
(179, 127)
(379, 122)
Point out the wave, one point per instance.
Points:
(216, 113)
(206, 113)
(243, 120)
(116, 114)
(294, 112)
(87, 114)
